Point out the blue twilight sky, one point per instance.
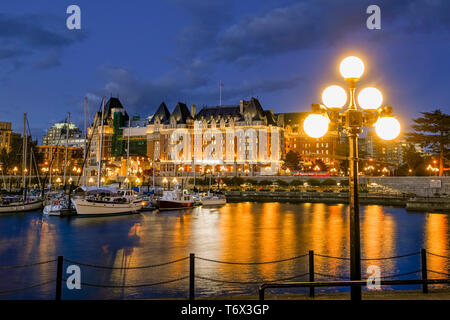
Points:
(280, 51)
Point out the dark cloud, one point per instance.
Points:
(308, 24)
(144, 96)
(49, 61)
(214, 38)
(207, 19)
(41, 37)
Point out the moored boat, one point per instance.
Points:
(13, 204)
(175, 200)
(107, 201)
(56, 205)
(213, 200)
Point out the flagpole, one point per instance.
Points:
(220, 93)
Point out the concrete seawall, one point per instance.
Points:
(420, 204)
(313, 197)
(420, 186)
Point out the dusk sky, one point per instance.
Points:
(282, 52)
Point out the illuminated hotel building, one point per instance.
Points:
(239, 139)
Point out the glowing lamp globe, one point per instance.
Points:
(334, 97)
(316, 125)
(352, 68)
(370, 98)
(387, 128)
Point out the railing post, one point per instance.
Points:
(192, 276)
(59, 276)
(261, 293)
(423, 253)
(311, 272)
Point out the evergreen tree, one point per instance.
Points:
(432, 132)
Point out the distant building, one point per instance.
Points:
(57, 136)
(373, 147)
(45, 154)
(309, 149)
(5, 135)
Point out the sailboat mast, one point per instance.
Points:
(194, 169)
(67, 146)
(153, 167)
(51, 165)
(128, 149)
(24, 154)
(31, 167)
(85, 139)
(99, 170)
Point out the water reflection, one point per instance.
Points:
(437, 241)
(378, 237)
(238, 232)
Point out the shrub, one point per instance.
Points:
(329, 182)
(265, 183)
(328, 190)
(311, 190)
(282, 183)
(313, 182)
(344, 183)
(236, 181)
(251, 181)
(296, 182)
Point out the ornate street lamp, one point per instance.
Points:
(368, 112)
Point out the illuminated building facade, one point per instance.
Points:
(239, 139)
(309, 149)
(44, 154)
(57, 136)
(5, 135)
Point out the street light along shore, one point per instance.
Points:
(369, 112)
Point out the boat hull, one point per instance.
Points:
(35, 205)
(85, 207)
(214, 202)
(53, 210)
(175, 205)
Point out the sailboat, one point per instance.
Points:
(25, 203)
(213, 199)
(102, 200)
(60, 203)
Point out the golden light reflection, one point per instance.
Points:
(378, 236)
(437, 241)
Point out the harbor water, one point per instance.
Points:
(237, 232)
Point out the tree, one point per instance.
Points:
(413, 161)
(292, 160)
(432, 131)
